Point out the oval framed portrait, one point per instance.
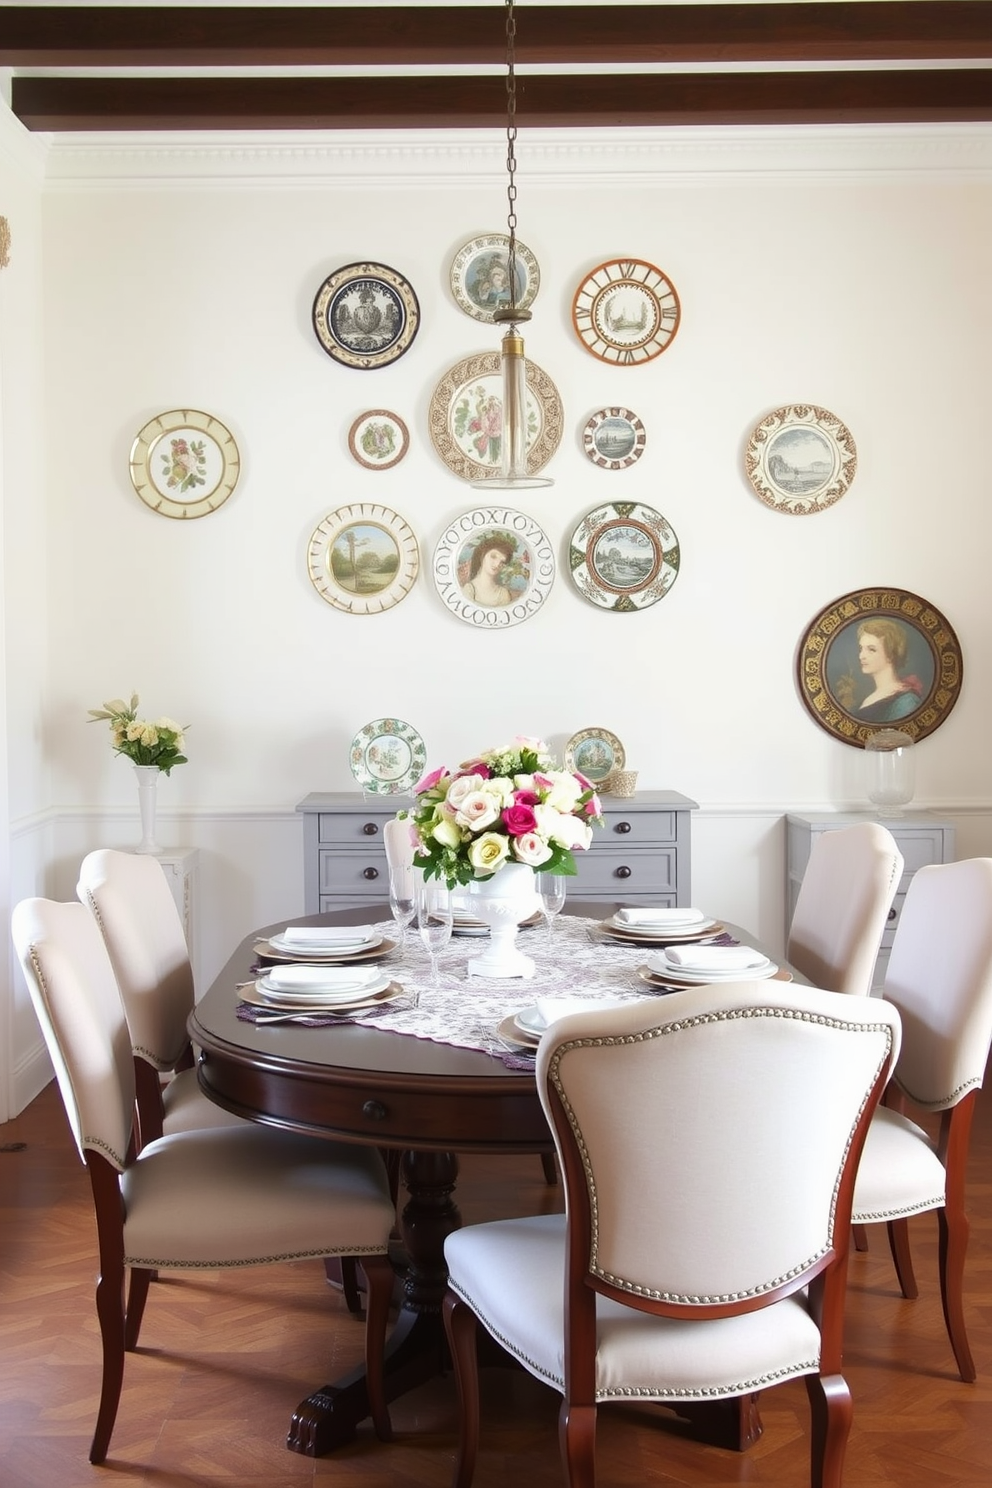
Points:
(363, 558)
(493, 567)
(879, 658)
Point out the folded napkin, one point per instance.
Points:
(664, 918)
(550, 1009)
(711, 958)
(310, 978)
(327, 935)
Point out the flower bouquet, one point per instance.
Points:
(144, 743)
(508, 805)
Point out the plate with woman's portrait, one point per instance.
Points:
(365, 315)
(800, 459)
(465, 417)
(363, 558)
(623, 556)
(879, 658)
(480, 276)
(493, 567)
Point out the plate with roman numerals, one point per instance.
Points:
(626, 312)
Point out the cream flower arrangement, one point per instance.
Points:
(143, 742)
(508, 805)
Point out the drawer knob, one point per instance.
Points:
(374, 1110)
(370, 873)
(622, 827)
(370, 829)
(623, 872)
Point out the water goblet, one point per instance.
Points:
(402, 901)
(551, 888)
(434, 921)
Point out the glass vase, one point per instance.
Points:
(891, 768)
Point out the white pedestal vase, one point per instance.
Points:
(147, 804)
(502, 902)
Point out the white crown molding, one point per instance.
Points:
(410, 158)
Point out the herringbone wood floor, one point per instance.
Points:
(225, 1358)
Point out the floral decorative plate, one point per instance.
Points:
(626, 312)
(595, 753)
(614, 438)
(363, 558)
(480, 276)
(365, 315)
(493, 567)
(466, 417)
(378, 439)
(184, 463)
(800, 459)
(388, 757)
(623, 556)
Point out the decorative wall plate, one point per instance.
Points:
(879, 658)
(378, 439)
(626, 312)
(623, 556)
(480, 276)
(595, 753)
(466, 415)
(493, 567)
(363, 558)
(614, 438)
(184, 463)
(388, 757)
(365, 315)
(800, 459)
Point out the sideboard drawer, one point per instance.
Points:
(353, 828)
(634, 828)
(364, 873)
(653, 872)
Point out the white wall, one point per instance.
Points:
(845, 268)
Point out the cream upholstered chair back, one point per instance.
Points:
(137, 915)
(940, 978)
(708, 1133)
(844, 899)
(75, 995)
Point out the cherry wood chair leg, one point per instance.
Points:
(831, 1412)
(860, 1234)
(550, 1168)
(577, 1443)
(461, 1327)
(349, 1284)
(902, 1257)
(379, 1278)
(953, 1247)
(109, 1298)
(137, 1295)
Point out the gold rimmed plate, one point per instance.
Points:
(644, 935)
(269, 952)
(653, 979)
(255, 997)
(511, 1033)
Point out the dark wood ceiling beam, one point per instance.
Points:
(930, 96)
(101, 36)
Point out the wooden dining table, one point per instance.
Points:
(414, 1097)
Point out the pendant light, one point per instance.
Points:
(513, 474)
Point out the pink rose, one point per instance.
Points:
(531, 849)
(518, 819)
(430, 781)
(474, 767)
(526, 798)
(593, 806)
(585, 784)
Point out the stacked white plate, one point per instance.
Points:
(319, 986)
(325, 940)
(661, 925)
(701, 964)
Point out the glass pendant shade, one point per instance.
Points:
(891, 767)
(513, 475)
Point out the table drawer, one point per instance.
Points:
(614, 871)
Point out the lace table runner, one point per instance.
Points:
(467, 1010)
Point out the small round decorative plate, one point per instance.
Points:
(626, 312)
(614, 438)
(800, 459)
(388, 757)
(493, 567)
(184, 463)
(480, 276)
(365, 315)
(623, 556)
(466, 413)
(595, 753)
(363, 559)
(378, 439)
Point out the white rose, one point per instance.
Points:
(460, 787)
(488, 852)
(552, 826)
(565, 791)
(447, 834)
(530, 849)
(479, 809)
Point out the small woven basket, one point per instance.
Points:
(622, 783)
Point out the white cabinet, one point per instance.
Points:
(921, 838)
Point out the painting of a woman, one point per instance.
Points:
(484, 584)
(882, 650)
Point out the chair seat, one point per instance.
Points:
(186, 1108)
(900, 1173)
(636, 1352)
(181, 1194)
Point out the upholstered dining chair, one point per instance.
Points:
(195, 1200)
(843, 903)
(708, 1144)
(940, 978)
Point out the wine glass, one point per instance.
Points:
(402, 900)
(434, 920)
(551, 887)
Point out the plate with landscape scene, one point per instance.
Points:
(363, 558)
(623, 556)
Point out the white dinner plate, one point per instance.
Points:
(658, 936)
(694, 978)
(321, 981)
(320, 947)
(666, 983)
(297, 1003)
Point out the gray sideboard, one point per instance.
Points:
(921, 838)
(641, 854)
